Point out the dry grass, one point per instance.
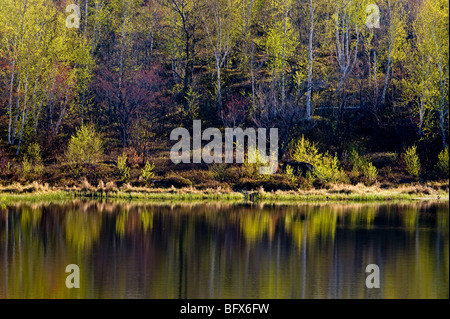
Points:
(338, 192)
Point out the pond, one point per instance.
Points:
(220, 250)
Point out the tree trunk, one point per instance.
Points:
(283, 61)
(310, 62)
(252, 75)
(219, 86)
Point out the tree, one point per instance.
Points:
(86, 146)
(312, 5)
(221, 33)
(43, 56)
(184, 24)
(429, 70)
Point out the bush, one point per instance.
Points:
(34, 152)
(442, 164)
(35, 159)
(26, 167)
(328, 169)
(32, 162)
(86, 146)
(290, 174)
(38, 168)
(219, 171)
(412, 161)
(305, 151)
(370, 173)
(147, 171)
(251, 170)
(122, 166)
(307, 182)
(175, 180)
(362, 166)
(356, 162)
(133, 157)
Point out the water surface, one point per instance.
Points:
(224, 251)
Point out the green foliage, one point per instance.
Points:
(147, 171)
(122, 166)
(34, 152)
(328, 169)
(370, 173)
(412, 161)
(192, 98)
(32, 162)
(86, 146)
(361, 166)
(38, 168)
(307, 182)
(290, 174)
(26, 167)
(442, 164)
(171, 55)
(281, 39)
(305, 151)
(252, 170)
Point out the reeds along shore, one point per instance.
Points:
(338, 192)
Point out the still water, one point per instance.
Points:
(127, 250)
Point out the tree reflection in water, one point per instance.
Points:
(217, 250)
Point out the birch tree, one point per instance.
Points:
(220, 30)
(312, 5)
(433, 43)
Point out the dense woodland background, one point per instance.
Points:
(136, 69)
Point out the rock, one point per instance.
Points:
(299, 168)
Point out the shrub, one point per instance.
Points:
(370, 173)
(147, 171)
(34, 156)
(34, 152)
(277, 182)
(122, 166)
(412, 161)
(86, 146)
(290, 174)
(356, 162)
(219, 171)
(175, 180)
(307, 182)
(305, 151)
(26, 167)
(328, 169)
(133, 157)
(246, 183)
(192, 98)
(442, 164)
(251, 170)
(38, 168)
(362, 166)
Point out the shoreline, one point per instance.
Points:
(336, 193)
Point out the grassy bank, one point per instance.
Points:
(339, 192)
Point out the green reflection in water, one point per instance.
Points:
(224, 250)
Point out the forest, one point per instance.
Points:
(91, 89)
